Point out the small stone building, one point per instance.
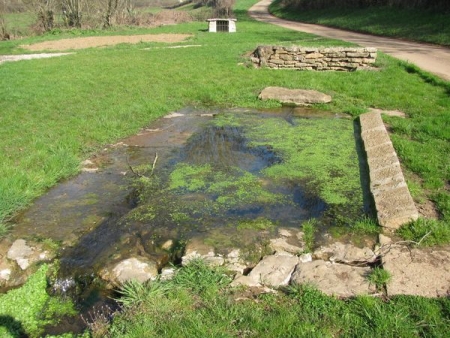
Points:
(222, 25)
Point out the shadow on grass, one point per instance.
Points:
(13, 327)
(427, 77)
(368, 201)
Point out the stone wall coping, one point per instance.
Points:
(221, 19)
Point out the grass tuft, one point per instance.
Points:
(426, 232)
(379, 277)
(309, 229)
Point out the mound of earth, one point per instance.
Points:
(101, 41)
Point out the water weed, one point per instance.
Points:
(27, 310)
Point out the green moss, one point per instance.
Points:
(256, 224)
(143, 213)
(227, 188)
(227, 120)
(90, 199)
(189, 178)
(317, 155)
(91, 220)
(320, 151)
(28, 309)
(180, 217)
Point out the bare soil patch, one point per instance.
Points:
(101, 41)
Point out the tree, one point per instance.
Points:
(72, 12)
(45, 12)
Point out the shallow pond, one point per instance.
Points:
(231, 178)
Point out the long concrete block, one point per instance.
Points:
(393, 202)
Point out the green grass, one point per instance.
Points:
(426, 232)
(309, 234)
(379, 277)
(18, 24)
(412, 24)
(199, 302)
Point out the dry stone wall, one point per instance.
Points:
(308, 58)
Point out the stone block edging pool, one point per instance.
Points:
(393, 202)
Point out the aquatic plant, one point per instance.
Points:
(25, 311)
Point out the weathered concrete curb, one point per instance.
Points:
(393, 201)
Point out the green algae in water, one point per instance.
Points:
(318, 152)
(305, 168)
(29, 308)
(322, 151)
(227, 189)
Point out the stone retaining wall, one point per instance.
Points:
(393, 201)
(308, 58)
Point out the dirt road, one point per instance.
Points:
(433, 59)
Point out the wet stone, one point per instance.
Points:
(197, 249)
(167, 273)
(274, 270)
(138, 269)
(23, 254)
(5, 272)
(282, 244)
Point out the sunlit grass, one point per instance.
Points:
(412, 24)
(199, 302)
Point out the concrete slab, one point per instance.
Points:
(334, 279)
(418, 272)
(375, 137)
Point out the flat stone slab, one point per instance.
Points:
(274, 270)
(290, 242)
(344, 253)
(418, 272)
(334, 279)
(300, 97)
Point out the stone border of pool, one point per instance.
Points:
(393, 202)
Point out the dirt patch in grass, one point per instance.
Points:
(100, 41)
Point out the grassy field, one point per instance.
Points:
(412, 24)
(56, 112)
